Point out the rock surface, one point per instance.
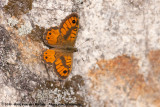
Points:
(117, 63)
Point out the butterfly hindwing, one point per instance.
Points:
(61, 60)
(52, 37)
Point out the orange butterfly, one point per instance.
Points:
(62, 40)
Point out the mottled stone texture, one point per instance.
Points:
(18, 7)
(120, 80)
(118, 58)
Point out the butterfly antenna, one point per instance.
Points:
(87, 40)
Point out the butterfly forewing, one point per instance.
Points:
(63, 65)
(69, 29)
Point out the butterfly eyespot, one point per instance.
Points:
(64, 71)
(48, 38)
(49, 33)
(46, 57)
(73, 21)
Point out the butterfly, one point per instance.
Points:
(61, 41)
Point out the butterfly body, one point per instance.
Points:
(61, 40)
